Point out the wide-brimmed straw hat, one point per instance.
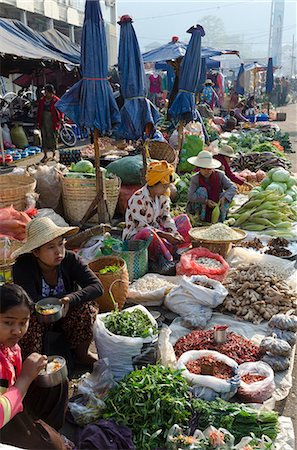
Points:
(226, 150)
(204, 160)
(208, 81)
(40, 232)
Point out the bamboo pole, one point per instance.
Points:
(180, 135)
(100, 188)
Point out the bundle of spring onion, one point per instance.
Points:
(266, 212)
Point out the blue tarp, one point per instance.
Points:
(20, 40)
(269, 77)
(239, 88)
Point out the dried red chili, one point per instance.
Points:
(236, 347)
(219, 368)
(252, 378)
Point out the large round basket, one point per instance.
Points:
(115, 282)
(220, 247)
(78, 194)
(163, 151)
(13, 190)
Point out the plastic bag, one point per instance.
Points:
(89, 404)
(258, 391)
(275, 346)
(283, 322)
(277, 363)
(288, 336)
(128, 169)
(166, 354)
(189, 266)
(191, 147)
(120, 350)
(150, 296)
(51, 214)
(13, 223)
(217, 384)
(49, 185)
(209, 438)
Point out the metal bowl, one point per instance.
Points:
(49, 318)
(45, 379)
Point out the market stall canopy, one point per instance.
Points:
(269, 77)
(20, 41)
(177, 49)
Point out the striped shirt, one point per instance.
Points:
(10, 397)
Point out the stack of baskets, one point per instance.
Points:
(163, 151)
(78, 194)
(13, 190)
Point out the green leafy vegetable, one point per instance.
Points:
(150, 401)
(129, 323)
(109, 269)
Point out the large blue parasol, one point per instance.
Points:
(269, 77)
(90, 102)
(239, 88)
(137, 111)
(184, 106)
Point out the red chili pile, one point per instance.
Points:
(236, 347)
(219, 369)
(252, 378)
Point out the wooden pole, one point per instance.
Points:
(100, 188)
(180, 135)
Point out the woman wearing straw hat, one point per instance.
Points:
(209, 187)
(208, 94)
(45, 269)
(148, 218)
(225, 156)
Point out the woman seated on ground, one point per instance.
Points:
(230, 122)
(45, 269)
(209, 187)
(238, 112)
(224, 156)
(148, 217)
(29, 415)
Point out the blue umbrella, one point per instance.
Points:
(202, 76)
(269, 77)
(239, 88)
(184, 106)
(90, 102)
(137, 111)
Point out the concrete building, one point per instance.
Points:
(64, 15)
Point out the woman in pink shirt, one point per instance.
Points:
(20, 421)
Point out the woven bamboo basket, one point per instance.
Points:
(79, 193)
(163, 151)
(115, 282)
(13, 190)
(220, 247)
(79, 239)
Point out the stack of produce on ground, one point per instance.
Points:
(239, 419)
(259, 161)
(252, 176)
(255, 243)
(150, 401)
(201, 261)
(133, 323)
(182, 186)
(217, 232)
(280, 341)
(266, 212)
(282, 182)
(256, 382)
(257, 293)
(236, 347)
(280, 247)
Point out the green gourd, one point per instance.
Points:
(215, 214)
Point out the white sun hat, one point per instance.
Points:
(204, 160)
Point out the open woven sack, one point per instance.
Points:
(117, 282)
(78, 194)
(13, 190)
(162, 151)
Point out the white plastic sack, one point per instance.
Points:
(259, 391)
(120, 350)
(51, 214)
(150, 297)
(217, 384)
(166, 352)
(194, 302)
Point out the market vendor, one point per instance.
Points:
(29, 415)
(225, 156)
(49, 121)
(238, 112)
(45, 269)
(209, 95)
(148, 217)
(209, 187)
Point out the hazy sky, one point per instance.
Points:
(158, 20)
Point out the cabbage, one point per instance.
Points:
(83, 166)
(280, 176)
(279, 187)
(292, 193)
(288, 199)
(271, 172)
(265, 183)
(291, 182)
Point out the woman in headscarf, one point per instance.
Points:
(209, 187)
(148, 216)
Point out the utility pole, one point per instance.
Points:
(293, 58)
